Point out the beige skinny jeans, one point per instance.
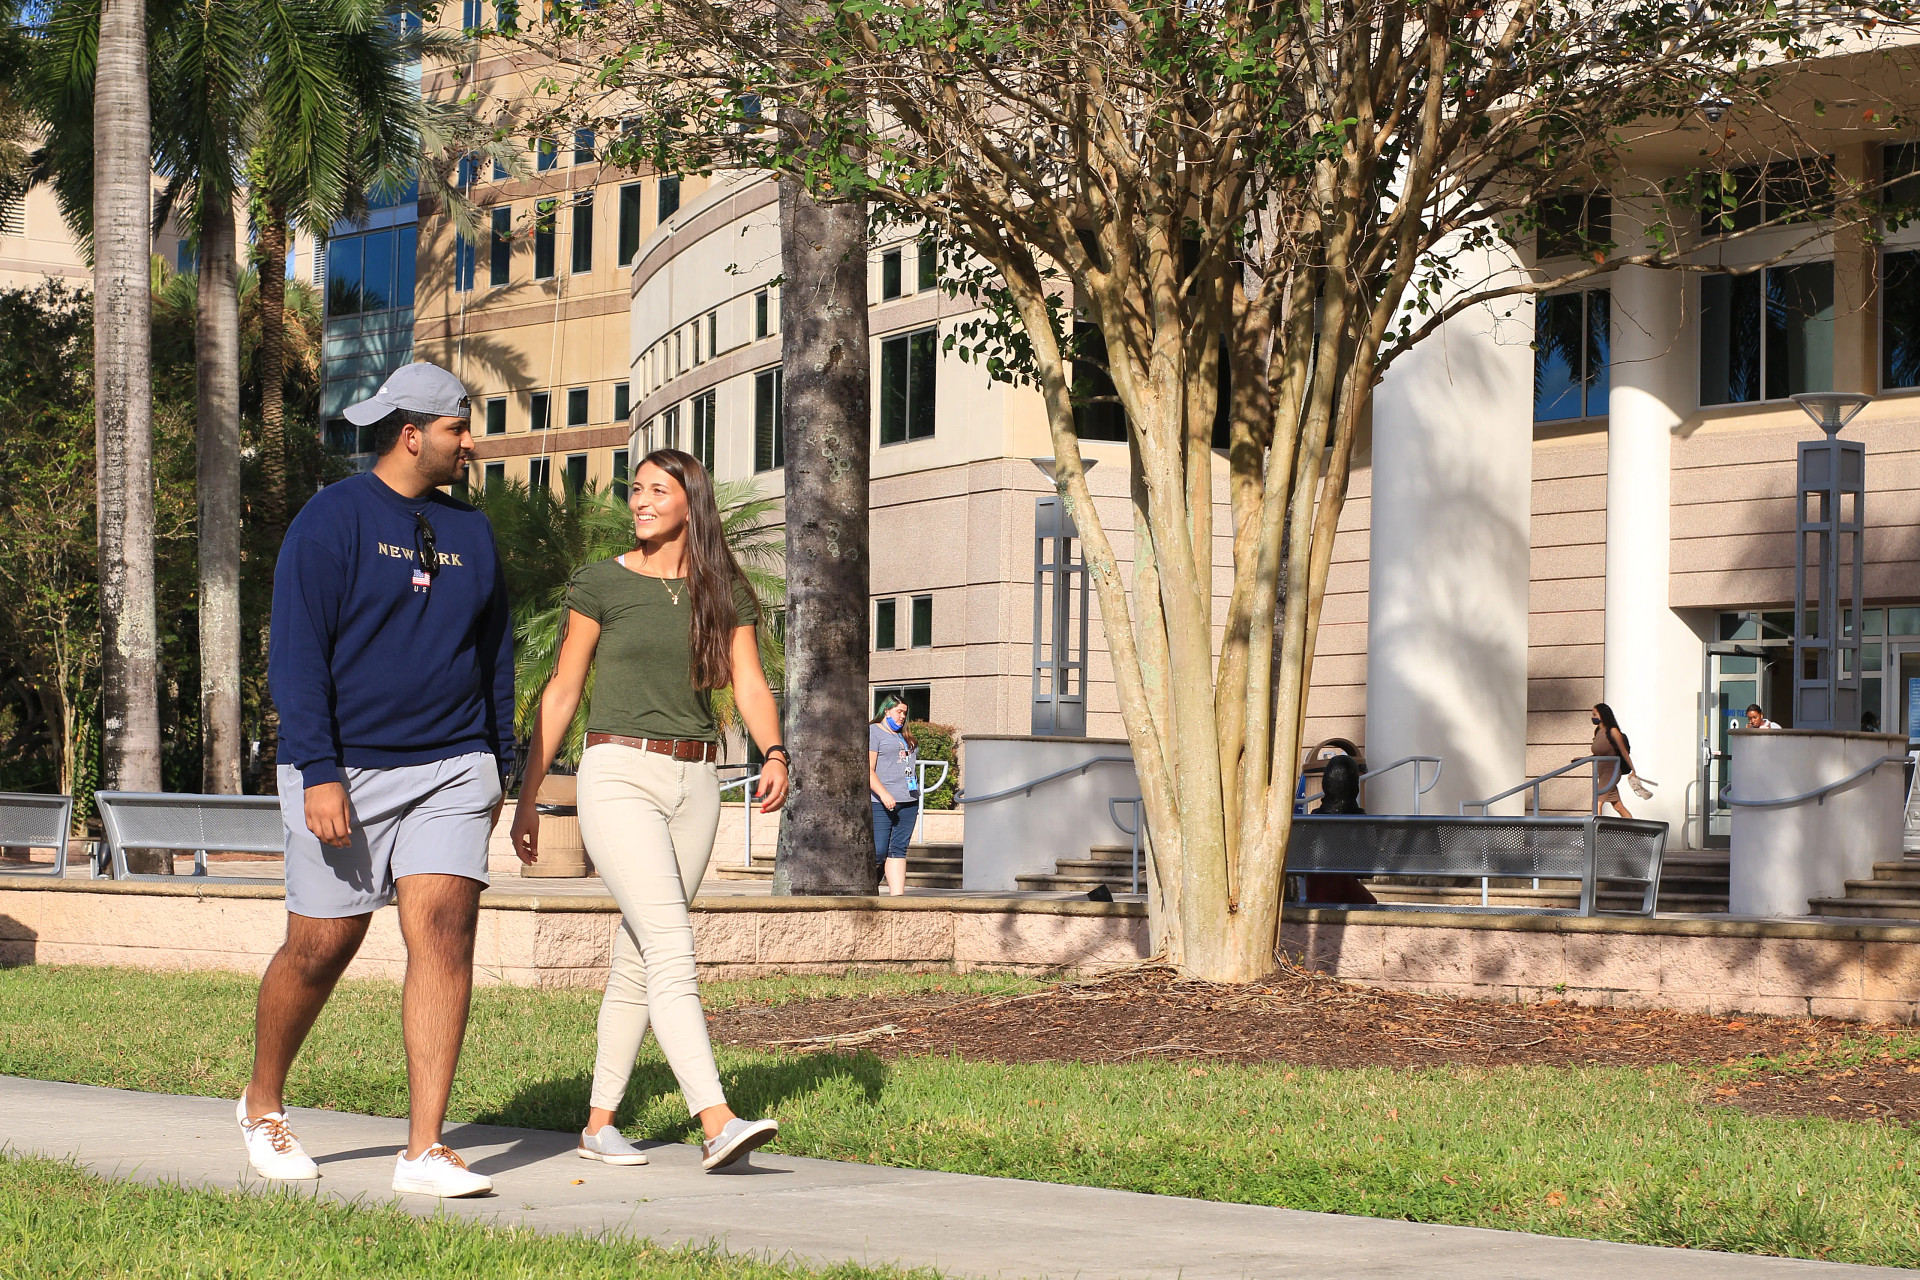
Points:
(648, 822)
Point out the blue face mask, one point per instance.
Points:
(895, 720)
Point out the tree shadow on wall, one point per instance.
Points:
(19, 945)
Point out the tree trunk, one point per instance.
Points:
(123, 399)
(826, 841)
(272, 258)
(217, 425)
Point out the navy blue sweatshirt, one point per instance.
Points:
(370, 668)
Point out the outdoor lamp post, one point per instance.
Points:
(1829, 532)
(1059, 617)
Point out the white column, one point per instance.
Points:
(1652, 657)
(1447, 583)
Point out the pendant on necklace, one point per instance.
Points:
(671, 593)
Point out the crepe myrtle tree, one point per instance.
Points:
(1301, 190)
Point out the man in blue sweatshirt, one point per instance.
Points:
(391, 665)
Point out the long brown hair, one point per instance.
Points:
(711, 572)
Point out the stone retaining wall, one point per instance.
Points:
(526, 939)
(1843, 970)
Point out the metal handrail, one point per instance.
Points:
(920, 768)
(746, 811)
(1139, 825)
(1818, 793)
(1043, 779)
(1533, 784)
(1418, 790)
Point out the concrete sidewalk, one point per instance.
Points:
(822, 1211)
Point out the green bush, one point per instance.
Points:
(939, 742)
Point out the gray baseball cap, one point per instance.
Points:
(418, 388)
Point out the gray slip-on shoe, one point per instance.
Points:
(608, 1147)
(735, 1140)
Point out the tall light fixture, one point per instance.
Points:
(1829, 556)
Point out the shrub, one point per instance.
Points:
(939, 742)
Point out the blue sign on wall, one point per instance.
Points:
(1913, 705)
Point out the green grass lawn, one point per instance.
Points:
(1605, 1152)
(59, 1223)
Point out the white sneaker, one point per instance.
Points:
(735, 1140)
(272, 1149)
(438, 1172)
(608, 1147)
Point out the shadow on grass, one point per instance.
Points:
(754, 1089)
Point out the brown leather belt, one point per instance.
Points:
(687, 749)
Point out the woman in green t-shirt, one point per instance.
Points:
(663, 625)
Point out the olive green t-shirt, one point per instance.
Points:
(643, 666)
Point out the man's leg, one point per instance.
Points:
(296, 986)
(437, 917)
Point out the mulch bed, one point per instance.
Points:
(1308, 1019)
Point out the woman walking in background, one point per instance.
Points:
(1610, 740)
(664, 625)
(893, 778)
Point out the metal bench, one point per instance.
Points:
(180, 823)
(1592, 851)
(35, 822)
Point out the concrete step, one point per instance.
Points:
(1904, 871)
(916, 878)
(1099, 866)
(1868, 908)
(1882, 890)
(1073, 884)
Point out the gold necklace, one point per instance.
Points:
(671, 593)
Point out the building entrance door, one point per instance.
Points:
(1901, 712)
(1739, 673)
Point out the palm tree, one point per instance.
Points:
(825, 834)
(123, 399)
(545, 540)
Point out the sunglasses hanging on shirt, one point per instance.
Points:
(424, 543)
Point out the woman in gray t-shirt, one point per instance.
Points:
(893, 781)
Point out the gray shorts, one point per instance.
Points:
(415, 819)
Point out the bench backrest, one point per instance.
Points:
(188, 823)
(1616, 849)
(36, 822)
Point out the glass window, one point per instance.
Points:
(713, 333)
(697, 357)
(546, 154)
(629, 222)
(576, 474)
(1903, 622)
(1901, 164)
(1574, 225)
(1766, 338)
(470, 18)
(463, 264)
(496, 411)
(922, 622)
(1097, 413)
(622, 402)
(669, 198)
(705, 425)
(929, 261)
(621, 465)
(583, 233)
(543, 220)
(907, 366)
(1900, 321)
(1797, 190)
(883, 624)
(583, 146)
(670, 428)
(346, 255)
(500, 247)
(918, 697)
(539, 473)
(577, 406)
(760, 314)
(496, 473)
(769, 436)
(890, 275)
(1570, 356)
(406, 253)
(499, 171)
(537, 417)
(1876, 623)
